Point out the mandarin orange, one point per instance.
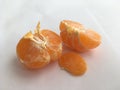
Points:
(36, 50)
(75, 36)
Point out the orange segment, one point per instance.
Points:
(78, 47)
(73, 63)
(69, 33)
(66, 38)
(54, 45)
(90, 39)
(63, 37)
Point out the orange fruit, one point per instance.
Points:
(36, 50)
(73, 63)
(75, 36)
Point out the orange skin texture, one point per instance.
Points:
(73, 63)
(39, 49)
(75, 36)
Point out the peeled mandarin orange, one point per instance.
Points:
(73, 63)
(75, 36)
(36, 50)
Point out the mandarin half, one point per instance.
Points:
(36, 50)
(77, 37)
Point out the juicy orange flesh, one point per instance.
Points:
(90, 39)
(25, 47)
(78, 46)
(65, 38)
(52, 37)
(29, 53)
(93, 35)
(73, 63)
(54, 46)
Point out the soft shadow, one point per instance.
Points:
(19, 70)
(65, 48)
(88, 53)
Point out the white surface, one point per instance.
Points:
(18, 17)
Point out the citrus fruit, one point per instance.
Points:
(36, 50)
(77, 37)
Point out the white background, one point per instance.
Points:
(19, 16)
